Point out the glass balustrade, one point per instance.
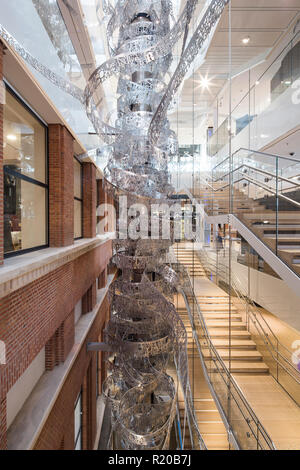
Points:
(263, 191)
(248, 433)
(264, 112)
(270, 334)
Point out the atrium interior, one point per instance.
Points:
(150, 225)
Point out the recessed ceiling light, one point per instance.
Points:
(11, 137)
(246, 40)
(205, 82)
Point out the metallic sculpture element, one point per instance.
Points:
(206, 25)
(58, 81)
(144, 333)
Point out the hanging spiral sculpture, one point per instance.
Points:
(144, 330)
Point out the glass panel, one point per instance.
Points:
(77, 219)
(77, 416)
(24, 214)
(24, 140)
(78, 443)
(77, 179)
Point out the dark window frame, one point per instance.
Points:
(80, 199)
(28, 179)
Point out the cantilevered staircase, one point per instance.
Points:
(263, 191)
(262, 415)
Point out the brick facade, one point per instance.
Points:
(59, 427)
(102, 199)
(102, 279)
(89, 200)
(41, 314)
(3, 443)
(89, 298)
(60, 343)
(30, 316)
(61, 186)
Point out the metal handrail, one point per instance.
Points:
(259, 184)
(191, 420)
(258, 170)
(178, 430)
(275, 353)
(225, 370)
(264, 154)
(255, 419)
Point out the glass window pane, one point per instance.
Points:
(77, 179)
(24, 140)
(77, 416)
(77, 219)
(24, 214)
(78, 443)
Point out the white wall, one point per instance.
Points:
(19, 393)
(271, 293)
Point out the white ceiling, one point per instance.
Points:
(265, 22)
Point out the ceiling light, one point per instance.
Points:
(11, 137)
(204, 82)
(246, 40)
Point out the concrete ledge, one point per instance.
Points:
(21, 270)
(25, 430)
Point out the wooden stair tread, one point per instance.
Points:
(234, 334)
(236, 344)
(245, 367)
(235, 354)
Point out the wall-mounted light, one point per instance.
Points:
(11, 137)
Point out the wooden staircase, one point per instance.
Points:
(239, 349)
(260, 219)
(208, 417)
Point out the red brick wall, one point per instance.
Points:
(61, 186)
(30, 316)
(67, 330)
(102, 279)
(89, 299)
(61, 343)
(59, 426)
(89, 200)
(3, 443)
(1, 162)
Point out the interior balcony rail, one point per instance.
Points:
(245, 430)
(275, 354)
(262, 96)
(263, 191)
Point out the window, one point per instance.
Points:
(25, 178)
(77, 199)
(78, 422)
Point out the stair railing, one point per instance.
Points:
(275, 354)
(243, 426)
(263, 184)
